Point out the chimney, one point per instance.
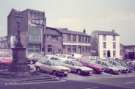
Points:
(84, 30)
(113, 30)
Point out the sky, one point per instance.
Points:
(77, 15)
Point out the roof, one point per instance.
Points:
(52, 31)
(67, 31)
(106, 33)
(22, 11)
(129, 46)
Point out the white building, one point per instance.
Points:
(106, 44)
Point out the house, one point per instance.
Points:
(105, 44)
(75, 42)
(65, 41)
(52, 41)
(129, 52)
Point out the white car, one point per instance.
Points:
(34, 56)
(52, 67)
(77, 67)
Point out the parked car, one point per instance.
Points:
(96, 67)
(122, 68)
(108, 68)
(65, 57)
(52, 67)
(128, 67)
(5, 61)
(77, 67)
(34, 56)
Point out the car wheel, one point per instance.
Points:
(38, 69)
(54, 72)
(79, 71)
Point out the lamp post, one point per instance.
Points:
(44, 37)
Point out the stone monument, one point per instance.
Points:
(19, 64)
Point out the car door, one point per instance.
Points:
(70, 65)
(45, 66)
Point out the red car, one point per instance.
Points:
(5, 60)
(97, 68)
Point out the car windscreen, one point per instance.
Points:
(75, 63)
(56, 63)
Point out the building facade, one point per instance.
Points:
(31, 25)
(106, 44)
(53, 41)
(75, 42)
(129, 52)
(65, 41)
(36, 37)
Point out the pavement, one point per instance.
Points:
(74, 81)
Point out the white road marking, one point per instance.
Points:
(92, 88)
(28, 83)
(129, 83)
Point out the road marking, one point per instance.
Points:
(92, 88)
(129, 83)
(29, 83)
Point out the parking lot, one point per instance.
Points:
(67, 72)
(73, 81)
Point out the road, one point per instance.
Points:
(73, 81)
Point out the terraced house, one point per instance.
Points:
(75, 42)
(63, 40)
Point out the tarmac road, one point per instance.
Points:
(73, 81)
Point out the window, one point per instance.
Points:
(74, 37)
(74, 48)
(114, 53)
(114, 38)
(83, 49)
(49, 48)
(69, 37)
(64, 37)
(83, 39)
(54, 37)
(34, 34)
(80, 49)
(86, 49)
(114, 45)
(104, 37)
(104, 53)
(86, 38)
(64, 47)
(104, 44)
(79, 38)
(18, 25)
(69, 49)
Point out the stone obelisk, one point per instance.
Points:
(19, 65)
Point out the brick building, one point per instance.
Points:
(31, 24)
(36, 37)
(129, 52)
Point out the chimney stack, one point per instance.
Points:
(113, 30)
(84, 30)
